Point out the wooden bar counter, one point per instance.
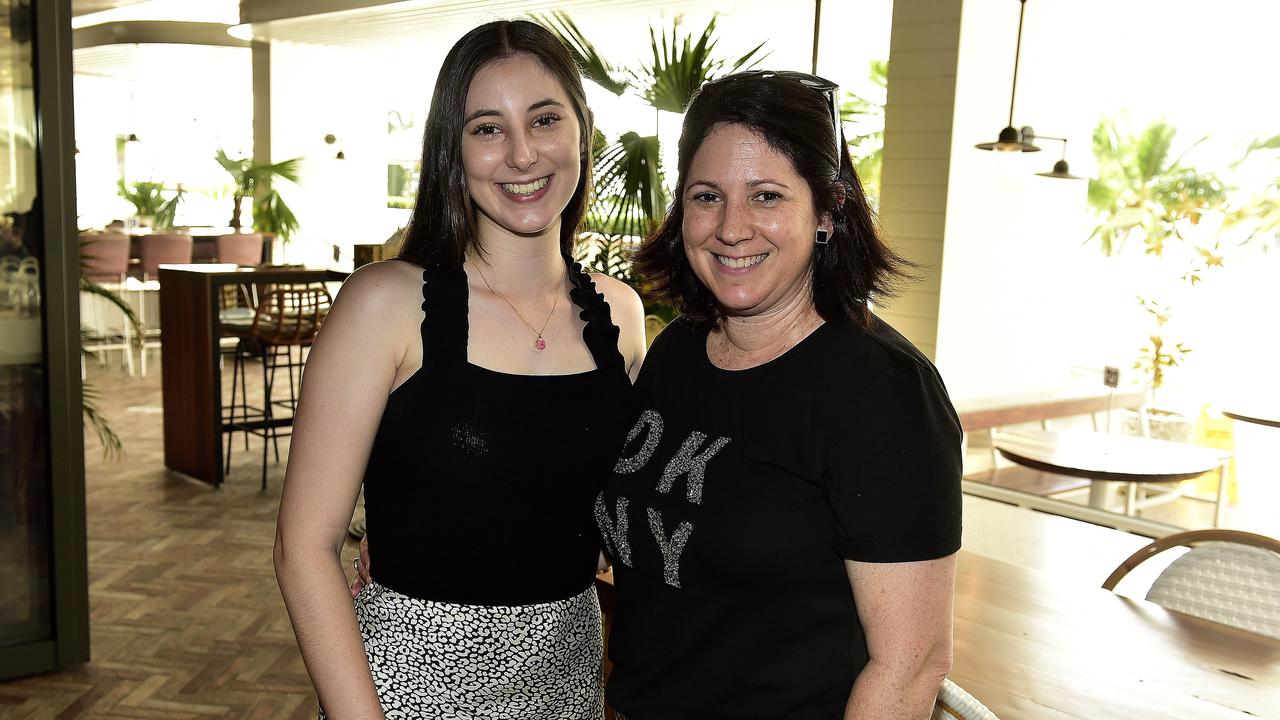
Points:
(190, 362)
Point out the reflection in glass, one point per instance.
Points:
(24, 472)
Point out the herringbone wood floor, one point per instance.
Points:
(186, 619)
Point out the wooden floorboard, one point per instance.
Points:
(186, 619)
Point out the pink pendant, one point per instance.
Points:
(540, 344)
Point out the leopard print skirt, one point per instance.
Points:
(472, 662)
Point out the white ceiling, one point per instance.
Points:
(411, 20)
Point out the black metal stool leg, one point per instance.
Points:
(275, 364)
(267, 369)
(231, 434)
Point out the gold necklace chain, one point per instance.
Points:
(538, 343)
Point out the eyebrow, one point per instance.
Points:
(490, 112)
(754, 183)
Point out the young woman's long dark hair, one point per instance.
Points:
(443, 226)
(795, 119)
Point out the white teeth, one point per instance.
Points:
(741, 262)
(525, 188)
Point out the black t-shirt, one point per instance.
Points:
(738, 497)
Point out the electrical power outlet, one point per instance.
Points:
(1111, 376)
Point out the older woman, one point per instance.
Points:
(784, 517)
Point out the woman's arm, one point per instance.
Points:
(905, 609)
(349, 373)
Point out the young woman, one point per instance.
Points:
(478, 388)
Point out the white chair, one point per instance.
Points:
(956, 704)
(1229, 577)
(105, 262)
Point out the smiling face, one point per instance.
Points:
(521, 148)
(749, 224)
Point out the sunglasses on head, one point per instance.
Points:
(823, 86)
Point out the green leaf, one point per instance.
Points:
(680, 66)
(92, 288)
(271, 214)
(112, 447)
(629, 196)
(593, 65)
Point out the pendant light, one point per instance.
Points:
(1061, 169)
(1011, 139)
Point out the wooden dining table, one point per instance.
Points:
(1031, 646)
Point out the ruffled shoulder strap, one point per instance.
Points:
(600, 334)
(444, 327)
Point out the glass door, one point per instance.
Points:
(43, 618)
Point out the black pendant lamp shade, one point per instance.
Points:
(1061, 170)
(1012, 139)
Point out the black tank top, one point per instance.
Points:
(480, 484)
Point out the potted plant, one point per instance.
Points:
(150, 205)
(270, 213)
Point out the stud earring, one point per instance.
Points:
(822, 238)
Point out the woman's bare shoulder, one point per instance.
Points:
(382, 286)
(620, 296)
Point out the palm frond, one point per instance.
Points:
(112, 447)
(168, 212)
(288, 169)
(629, 195)
(1151, 152)
(271, 214)
(880, 73)
(680, 66)
(235, 167)
(93, 288)
(589, 60)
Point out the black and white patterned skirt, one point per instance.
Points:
(476, 662)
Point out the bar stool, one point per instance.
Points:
(287, 317)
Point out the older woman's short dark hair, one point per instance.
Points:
(795, 120)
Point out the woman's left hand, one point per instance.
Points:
(362, 569)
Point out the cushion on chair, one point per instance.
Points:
(1228, 583)
(954, 703)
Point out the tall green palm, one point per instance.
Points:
(1143, 190)
(270, 213)
(866, 145)
(630, 197)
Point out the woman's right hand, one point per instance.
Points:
(362, 569)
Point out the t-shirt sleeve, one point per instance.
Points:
(894, 477)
